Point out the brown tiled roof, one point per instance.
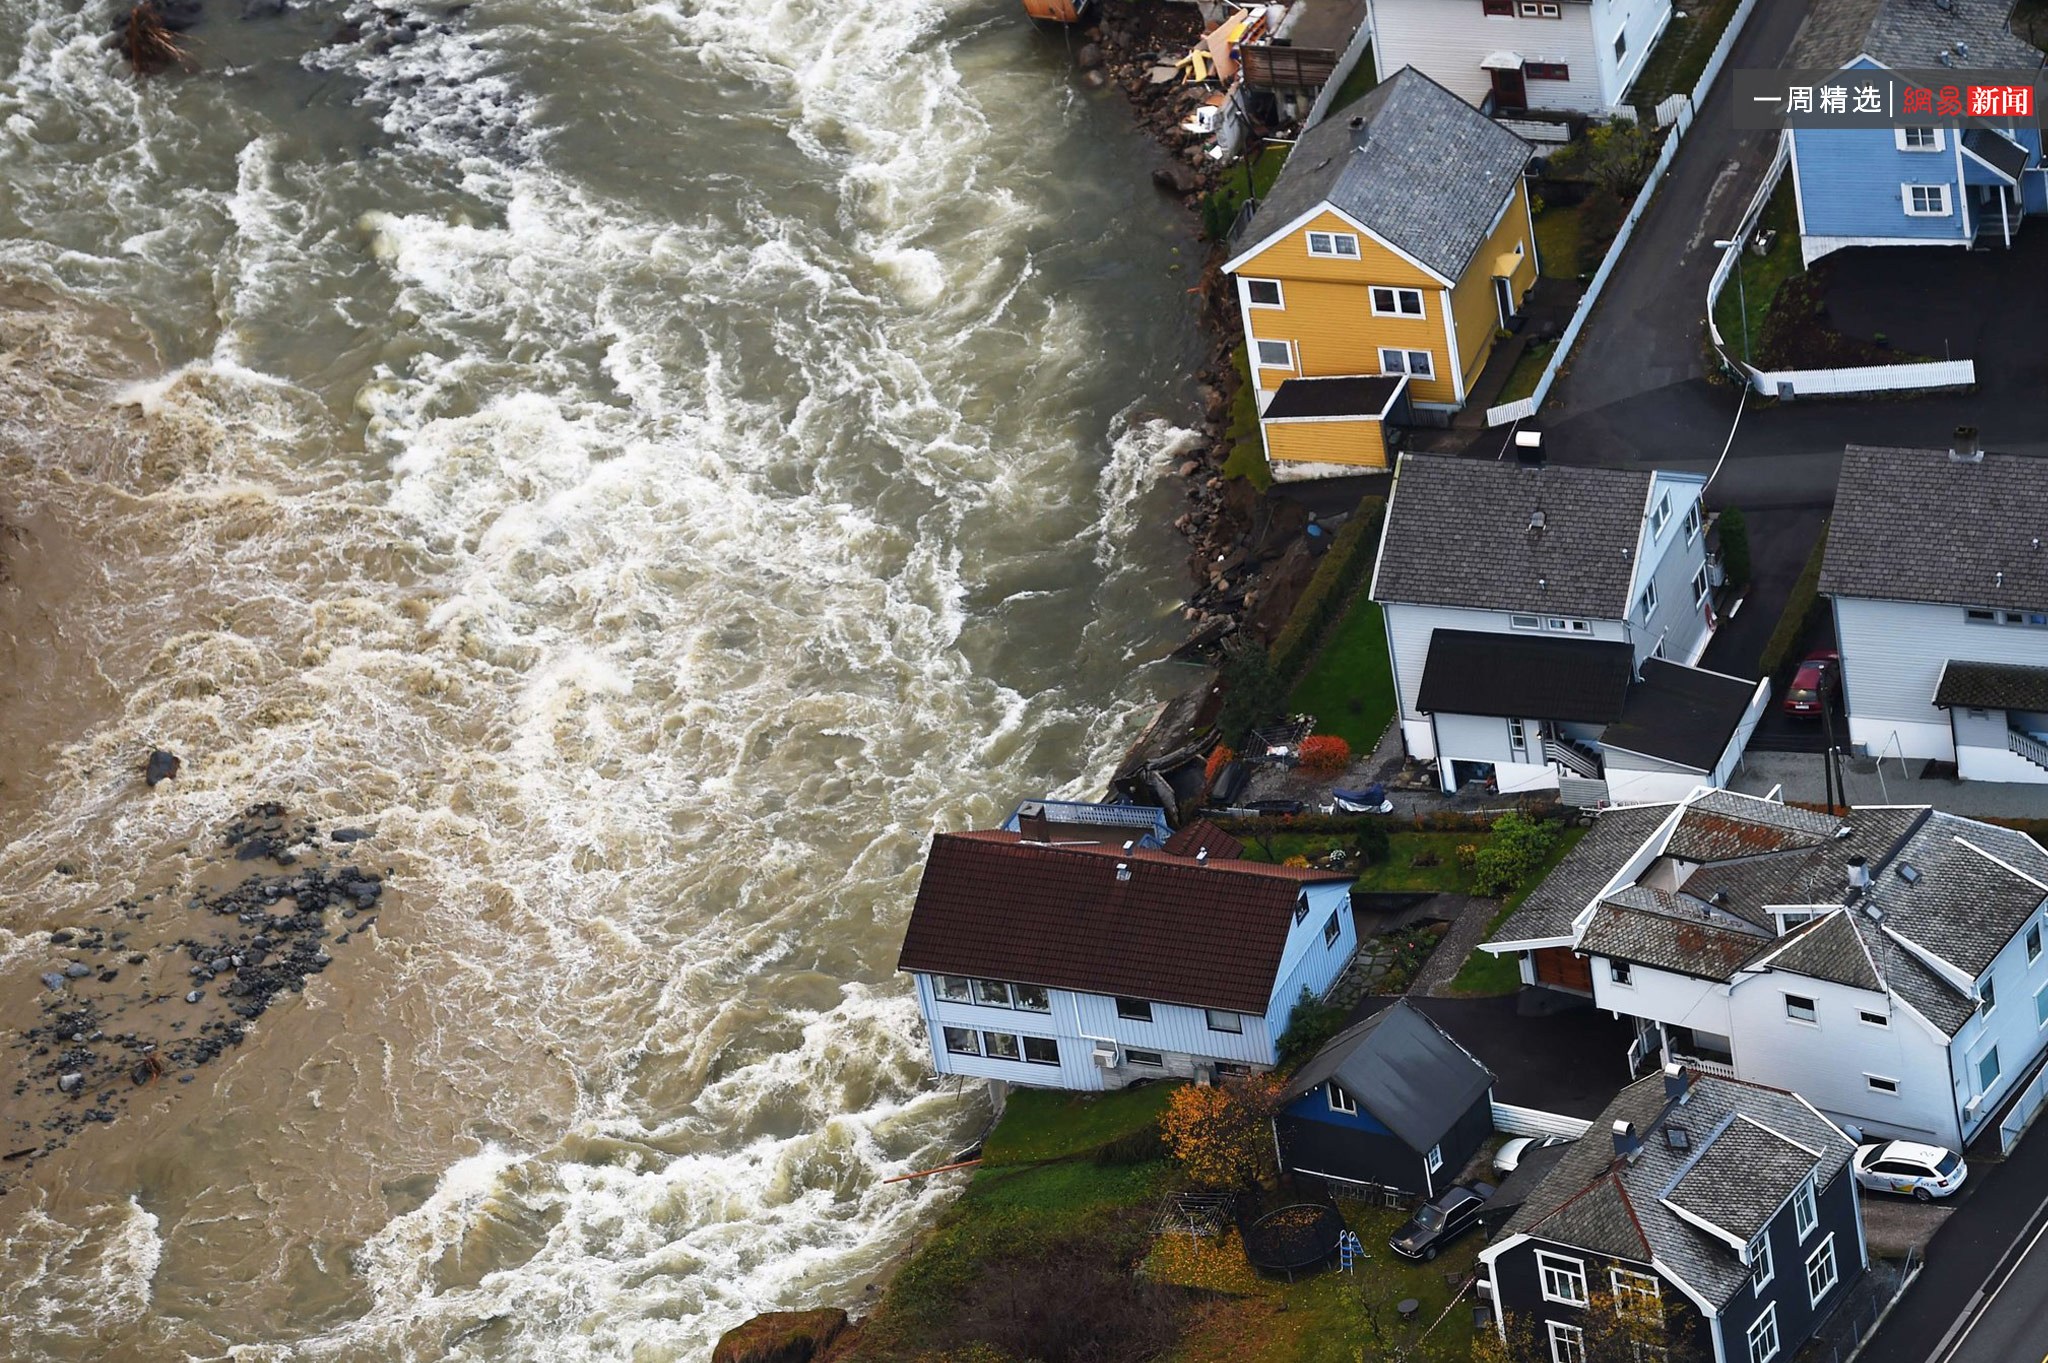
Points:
(1200, 835)
(1207, 934)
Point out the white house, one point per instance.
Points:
(1939, 579)
(1542, 623)
(1510, 55)
(1886, 965)
(1056, 958)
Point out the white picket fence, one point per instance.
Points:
(1872, 378)
(1523, 408)
(1529, 1121)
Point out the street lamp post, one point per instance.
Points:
(1741, 293)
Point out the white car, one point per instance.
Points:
(1922, 1171)
(1509, 1156)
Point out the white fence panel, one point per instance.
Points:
(1874, 378)
(1529, 1121)
(2022, 1113)
(1721, 51)
(1531, 130)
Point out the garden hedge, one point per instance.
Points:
(1342, 569)
(1799, 609)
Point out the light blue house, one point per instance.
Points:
(1049, 957)
(1914, 186)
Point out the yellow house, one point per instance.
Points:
(1396, 243)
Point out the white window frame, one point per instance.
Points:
(1878, 1083)
(1118, 1002)
(1939, 192)
(1279, 292)
(1567, 1342)
(994, 1052)
(1695, 521)
(1822, 1256)
(1988, 995)
(1805, 1213)
(1235, 1020)
(1762, 1268)
(1340, 1101)
(1434, 1160)
(1405, 362)
(1518, 735)
(1621, 973)
(1333, 245)
(2033, 942)
(1901, 141)
(946, 1035)
(1259, 354)
(981, 985)
(1559, 624)
(1400, 296)
(1997, 1070)
(1566, 1271)
(1762, 1330)
(1648, 601)
(1702, 587)
(1643, 1288)
(1156, 1060)
(1332, 930)
(1812, 1006)
(1547, 10)
(2041, 1007)
(1660, 515)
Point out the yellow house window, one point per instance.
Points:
(1263, 293)
(1276, 355)
(1396, 302)
(1416, 363)
(1341, 245)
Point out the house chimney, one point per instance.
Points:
(1201, 854)
(1627, 1145)
(1529, 449)
(1964, 447)
(1129, 845)
(1536, 521)
(1859, 874)
(1033, 825)
(1677, 1083)
(1123, 870)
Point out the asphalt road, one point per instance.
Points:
(2014, 1320)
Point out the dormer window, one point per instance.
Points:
(1340, 1101)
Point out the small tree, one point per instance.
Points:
(1325, 755)
(1616, 1331)
(1511, 855)
(1615, 156)
(1734, 532)
(1253, 692)
(1219, 1132)
(1312, 1022)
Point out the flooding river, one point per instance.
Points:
(653, 464)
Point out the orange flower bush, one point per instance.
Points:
(1325, 755)
(1220, 757)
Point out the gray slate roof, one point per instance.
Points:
(1422, 169)
(1929, 995)
(1403, 1069)
(1668, 941)
(1828, 948)
(1979, 531)
(1550, 908)
(1459, 534)
(1965, 906)
(1910, 34)
(1992, 686)
(1596, 1202)
(1740, 1178)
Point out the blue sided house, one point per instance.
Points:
(1391, 1102)
(1935, 185)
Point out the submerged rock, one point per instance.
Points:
(163, 766)
(782, 1337)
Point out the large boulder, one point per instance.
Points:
(781, 1337)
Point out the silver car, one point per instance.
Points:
(1922, 1171)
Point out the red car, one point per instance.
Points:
(1814, 679)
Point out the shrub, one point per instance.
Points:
(1312, 1022)
(1325, 755)
(1220, 757)
(1468, 855)
(1511, 855)
(1253, 693)
(1220, 1133)
(1734, 532)
(1330, 589)
(1069, 1299)
(1800, 608)
(1370, 842)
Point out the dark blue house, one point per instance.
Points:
(1722, 1212)
(1941, 184)
(1391, 1101)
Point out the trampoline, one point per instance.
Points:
(1298, 1238)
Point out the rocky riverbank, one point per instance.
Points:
(163, 987)
(1247, 559)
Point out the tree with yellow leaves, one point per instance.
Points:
(1220, 1133)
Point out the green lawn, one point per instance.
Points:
(1484, 973)
(1528, 370)
(1399, 871)
(1680, 58)
(1341, 1318)
(1362, 79)
(1045, 1124)
(1760, 277)
(1247, 457)
(1349, 687)
(1559, 241)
